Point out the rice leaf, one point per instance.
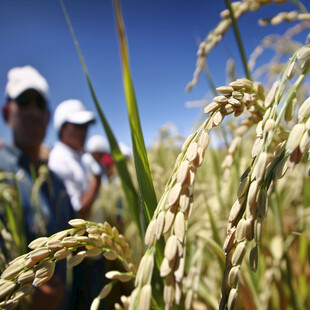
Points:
(143, 170)
(127, 184)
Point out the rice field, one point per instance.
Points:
(211, 228)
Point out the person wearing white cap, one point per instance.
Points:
(27, 115)
(71, 120)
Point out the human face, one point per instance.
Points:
(28, 117)
(74, 135)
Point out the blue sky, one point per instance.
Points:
(162, 35)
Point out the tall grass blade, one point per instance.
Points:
(127, 184)
(239, 40)
(140, 156)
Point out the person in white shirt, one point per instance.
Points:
(71, 121)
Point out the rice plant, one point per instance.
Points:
(223, 228)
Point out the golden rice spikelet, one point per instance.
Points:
(6, 288)
(269, 125)
(171, 248)
(225, 90)
(54, 245)
(303, 52)
(240, 230)
(179, 272)
(78, 232)
(165, 267)
(235, 211)
(211, 107)
(106, 290)
(218, 118)
(295, 137)
(45, 269)
(233, 276)
(232, 298)
(254, 259)
(12, 271)
(258, 230)
(260, 167)
(93, 252)
(145, 297)
(204, 140)
(291, 70)
(145, 269)
(169, 290)
(174, 194)
(22, 291)
(150, 233)
(239, 253)
(244, 184)
(76, 259)
(251, 199)
(121, 276)
(178, 292)
(305, 141)
(62, 253)
(179, 226)
(39, 254)
(109, 255)
(304, 110)
(43, 273)
(69, 242)
(26, 277)
(37, 242)
(77, 222)
(169, 218)
(221, 99)
(229, 241)
(271, 95)
(60, 235)
(192, 151)
(183, 172)
(257, 146)
(160, 224)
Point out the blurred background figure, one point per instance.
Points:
(96, 147)
(71, 121)
(45, 206)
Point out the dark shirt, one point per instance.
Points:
(45, 211)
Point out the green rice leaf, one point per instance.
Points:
(143, 170)
(127, 184)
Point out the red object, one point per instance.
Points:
(107, 160)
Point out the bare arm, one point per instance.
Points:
(89, 196)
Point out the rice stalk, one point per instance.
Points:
(247, 217)
(238, 8)
(84, 239)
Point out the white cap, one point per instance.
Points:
(96, 143)
(21, 79)
(72, 111)
(125, 149)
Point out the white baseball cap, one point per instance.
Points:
(72, 111)
(21, 79)
(97, 143)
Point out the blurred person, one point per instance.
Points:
(71, 121)
(27, 114)
(96, 147)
